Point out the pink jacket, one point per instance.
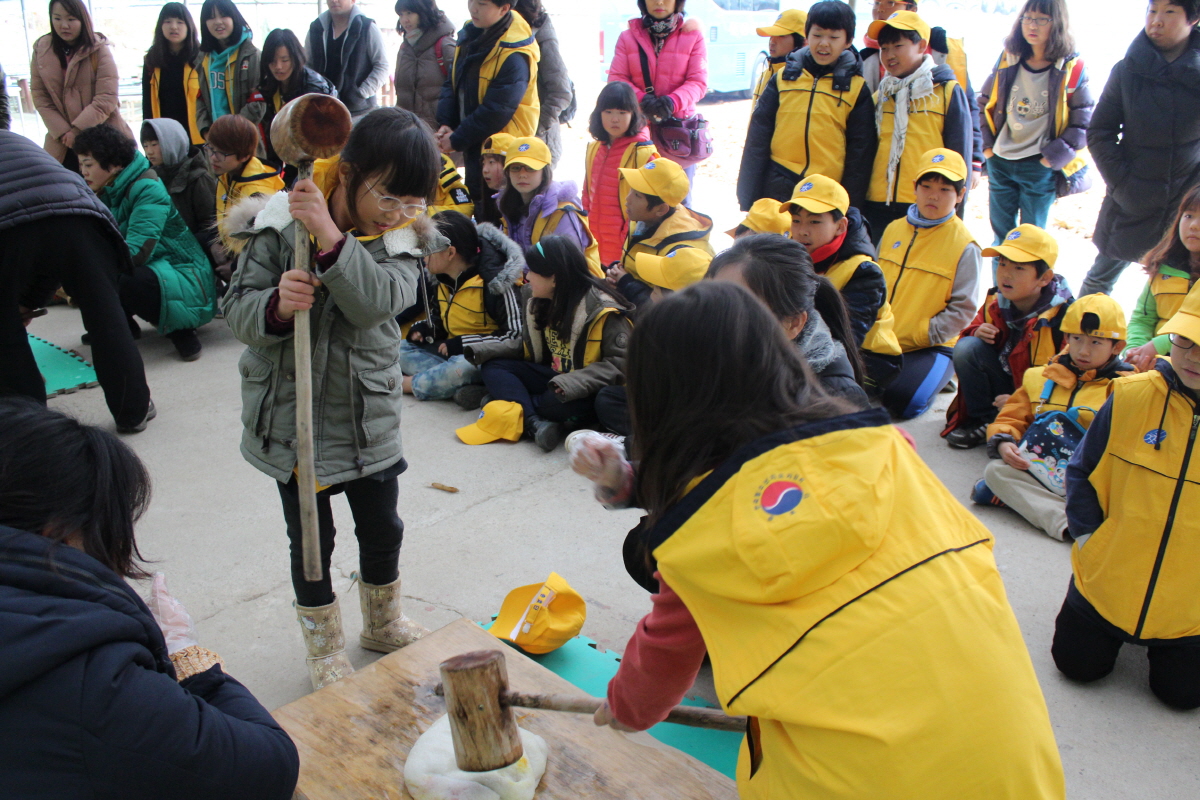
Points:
(680, 71)
(82, 96)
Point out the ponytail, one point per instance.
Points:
(829, 304)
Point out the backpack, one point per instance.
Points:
(438, 54)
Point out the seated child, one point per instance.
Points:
(188, 180)
(822, 219)
(232, 143)
(451, 193)
(764, 216)
(1079, 378)
(668, 247)
(919, 107)
(785, 36)
(1018, 327)
(1131, 492)
(469, 296)
(931, 263)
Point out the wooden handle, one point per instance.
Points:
(306, 471)
(484, 731)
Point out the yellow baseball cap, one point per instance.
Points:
(790, 21)
(1186, 321)
(944, 162)
(676, 270)
(765, 216)
(901, 20)
(497, 144)
(661, 177)
(818, 194)
(541, 617)
(530, 151)
(1026, 243)
(498, 420)
(1110, 317)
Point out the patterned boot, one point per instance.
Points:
(385, 628)
(325, 642)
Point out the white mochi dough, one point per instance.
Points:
(431, 772)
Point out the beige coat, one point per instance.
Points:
(419, 79)
(81, 96)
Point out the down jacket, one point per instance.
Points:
(89, 703)
(604, 190)
(680, 71)
(419, 77)
(1145, 138)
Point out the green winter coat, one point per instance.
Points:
(158, 238)
(355, 342)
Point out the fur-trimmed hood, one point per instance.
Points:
(501, 262)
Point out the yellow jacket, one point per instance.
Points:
(881, 338)
(684, 237)
(517, 39)
(1056, 387)
(852, 608)
(1138, 569)
(926, 131)
(191, 90)
(1168, 291)
(451, 193)
(768, 73)
(256, 178)
(810, 125)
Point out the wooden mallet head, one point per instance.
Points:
(485, 731)
(310, 127)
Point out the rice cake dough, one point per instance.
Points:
(431, 772)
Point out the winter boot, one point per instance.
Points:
(325, 642)
(385, 628)
(546, 434)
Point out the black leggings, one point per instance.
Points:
(377, 526)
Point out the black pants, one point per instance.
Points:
(1085, 649)
(880, 215)
(377, 527)
(612, 407)
(71, 250)
(528, 383)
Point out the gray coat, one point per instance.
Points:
(364, 64)
(554, 88)
(419, 79)
(355, 342)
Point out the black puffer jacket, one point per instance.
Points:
(89, 704)
(1145, 139)
(866, 290)
(311, 82)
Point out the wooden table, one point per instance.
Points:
(354, 735)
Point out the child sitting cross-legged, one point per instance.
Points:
(1079, 378)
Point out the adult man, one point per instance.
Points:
(346, 47)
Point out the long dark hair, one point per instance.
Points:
(62, 479)
(219, 8)
(1059, 42)
(709, 370)
(780, 272)
(461, 231)
(1170, 249)
(427, 12)
(532, 11)
(87, 36)
(560, 258)
(396, 145)
(160, 49)
(618, 95)
(281, 37)
(511, 204)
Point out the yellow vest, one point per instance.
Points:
(810, 125)
(451, 193)
(550, 222)
(852, 608)
(882, 336)
(926, 121)
(684, 233)
(463, 312)
(956, 60)
(1067, 391)
(1139, 568)
(517, 39)
(191, 90)
(230, 191)
(919, 265)
(765, 78)
(1168, 291)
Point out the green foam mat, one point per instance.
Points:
(63, 371)
(583, 663)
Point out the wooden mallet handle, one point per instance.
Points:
(306, 473)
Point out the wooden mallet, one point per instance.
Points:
(310, 127)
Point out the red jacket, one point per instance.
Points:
(680, 71)
(1041, 338)
(604, 189)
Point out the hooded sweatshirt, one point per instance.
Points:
(218, 64)
(191, 185)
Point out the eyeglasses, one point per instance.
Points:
(1038, 22)
(1181, 341)
(386, 203)
(208, 148)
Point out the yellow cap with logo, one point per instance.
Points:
(1107, 318)
(944, 162)
(790, 21)
(530, 151)
(901, 20)
(661, 177)
(677, 270)
(765, 216)
(1026, 243)
(541, 617)
(1186, 321)
(497, 144)
(498, 420)
(818, 194)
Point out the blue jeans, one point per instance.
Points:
(1022, 187)
(980, 378)
(435, 377)
(922, 376)
(1102, 276)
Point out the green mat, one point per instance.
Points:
(583, 663)
(64, 372)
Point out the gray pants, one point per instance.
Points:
(1021, 492)
(1102, 276)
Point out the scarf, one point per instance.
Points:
(660, 29)
(906, 92)
(828, 251)
(917, 221)
(486, 39)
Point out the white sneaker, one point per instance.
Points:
(575, 436)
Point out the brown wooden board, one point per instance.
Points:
(354, 735)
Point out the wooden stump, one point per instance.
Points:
(485, 732)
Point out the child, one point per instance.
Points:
(285, 76)
(814, 557)
(171, 284)
(229, 64)
(1131, 492)
(822, 219)
(1174, 265)
(1079, 378)
(452, 194)
(931, 263)
(188, 180)
(668, 247)
(469, 296)
(764, 216)
(533, 205)
(785, 36)
(572, 345)
(1018, 327)
(365, 211)
(815, 117)
(170, 78)
(491, 166)
(232, 142)
(618, 127)
(919, 107)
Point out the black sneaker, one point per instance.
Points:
(546, 434)
(970, 435)
(470, 397)
(187, 344)
(151, 413)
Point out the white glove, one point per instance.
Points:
(177, 626)
(600, 460)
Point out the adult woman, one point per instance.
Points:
(99, 703)
(285, 76)
(1036, 109)
(554, 86)
(73, 78)
(170, 74)
(229, 70)
(814, 557)
(424, 59)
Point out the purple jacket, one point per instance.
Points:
(680, 71)
(543, 205)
